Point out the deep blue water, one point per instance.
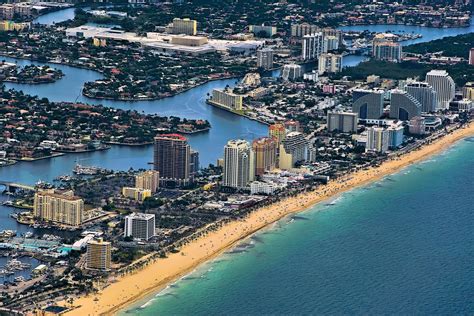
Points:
(429, 33)
(190, 104)
(56, 17)
(403, 245)
(399, 248)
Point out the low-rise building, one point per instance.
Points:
(136, 194)
(258, 187)
(417, 126)
(226, 99)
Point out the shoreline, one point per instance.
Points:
(131, 288)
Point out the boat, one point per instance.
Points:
(28, 234)
(19, 279)
(86, 170)
(7, 233)
(64, 178)
(16, 265)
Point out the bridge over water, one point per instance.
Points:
(12, 186)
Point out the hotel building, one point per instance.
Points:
(265, 151)
(377, 139)
(59, 207)
(183, 26)
(226, 99)
(368, 104)
(140, 226)
(98, 255)
(278, 132)
(344, 122)
(172, 159)
(423, 93)
(444, 86)
(148, 180)
(403, 106)
(295, 145)
(239, 164)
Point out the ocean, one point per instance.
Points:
(401, 245)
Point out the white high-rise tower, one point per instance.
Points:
(239, 164)
(444, 86)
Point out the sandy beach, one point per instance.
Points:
(130, 288)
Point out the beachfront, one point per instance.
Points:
(131, 288)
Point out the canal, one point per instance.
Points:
(190, 104)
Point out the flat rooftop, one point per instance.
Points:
(156, 40)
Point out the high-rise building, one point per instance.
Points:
(329, 63)
(395, 136)
(194, 167)
(239, 164)
(471, 56)
(331, 42)
(344, 122)
(226, 99)
(265, 58)
(424, 93)
(172, 159)
(148, 180)
(278, 132)
(98, 256)
(300, 30)
(377, 139)
(137, 194)
(183, 26)
(368, 104)
(312, 46)
(383, 49)
(296, 145)
(403, 106)
(292, 72)
(140, 226)
(60, 207)
(444, 86)
(265, 151)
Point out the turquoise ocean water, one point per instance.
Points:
(402, 245)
